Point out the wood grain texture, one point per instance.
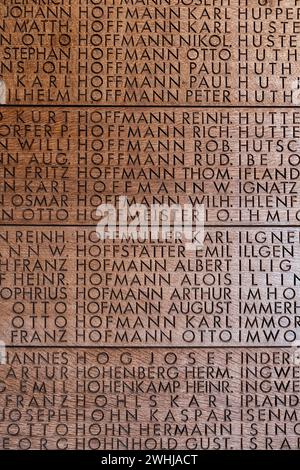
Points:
(146, 344)
(240, 288)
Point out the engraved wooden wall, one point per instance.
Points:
(149, 345)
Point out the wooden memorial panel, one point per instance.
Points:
(145, 339)
(124, 399)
